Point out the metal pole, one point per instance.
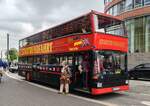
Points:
(1, 54)
(8, 49)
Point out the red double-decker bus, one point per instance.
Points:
(95, 40)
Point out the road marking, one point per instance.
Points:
(142, 94)
(72, 95)
(13, 77)
(146, 103)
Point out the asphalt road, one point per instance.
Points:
(22, 93)
(138, 95)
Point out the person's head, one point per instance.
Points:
(64, 63)
(70, 62)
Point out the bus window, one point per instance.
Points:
(20, 43)
(70, 60)
(65, 58)
(109, 26)
(53, 60)
(76, 60)
(38, 59)
(120, 61)
(23, 60)
(44, 59)
(109, 62)
(30, 60)
(80, 59)
(23, 42)
(60, 60)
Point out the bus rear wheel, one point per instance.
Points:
(28, 76)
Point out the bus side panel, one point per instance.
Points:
(44, 77)
(21, 72)
(110, 42)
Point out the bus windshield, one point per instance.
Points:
(109, 25)
(110, 62)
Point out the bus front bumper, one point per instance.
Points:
(98, 91)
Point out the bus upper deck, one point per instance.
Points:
(87, 23)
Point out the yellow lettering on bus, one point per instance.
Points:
(73, 49)
(36, 49)
(78, 43)
(113, 43)
(50, 46)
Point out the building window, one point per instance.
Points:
(137, 3)
(130, 32)
(147, 33)
(121, 7)
(139, 39)
(128, 28)
(107, 1)
(111, 11)
(146, 2)
(115, 10)
(128, 4)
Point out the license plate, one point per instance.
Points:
(116, 89)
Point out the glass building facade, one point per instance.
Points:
(138, 28)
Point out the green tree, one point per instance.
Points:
(13, 54)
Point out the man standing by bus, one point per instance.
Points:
(84, 70)
(65, 78)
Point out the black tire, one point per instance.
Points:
(135, 78)
(130, 77)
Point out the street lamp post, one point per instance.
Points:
(8, 49)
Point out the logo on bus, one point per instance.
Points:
(82, 43)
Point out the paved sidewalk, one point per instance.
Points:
(14, 75)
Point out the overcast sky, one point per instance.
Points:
(21, 18)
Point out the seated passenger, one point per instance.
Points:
(107, 63)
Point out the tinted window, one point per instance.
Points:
(146, 2)
(137, 3)
(128, 4)
(147, 65)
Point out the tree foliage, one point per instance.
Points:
(13, 54)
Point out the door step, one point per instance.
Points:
(86, 90)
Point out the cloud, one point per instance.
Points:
(22, 18)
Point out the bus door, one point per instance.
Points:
(82, 69)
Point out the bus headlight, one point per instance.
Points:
(127, 82)
(99, 84)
